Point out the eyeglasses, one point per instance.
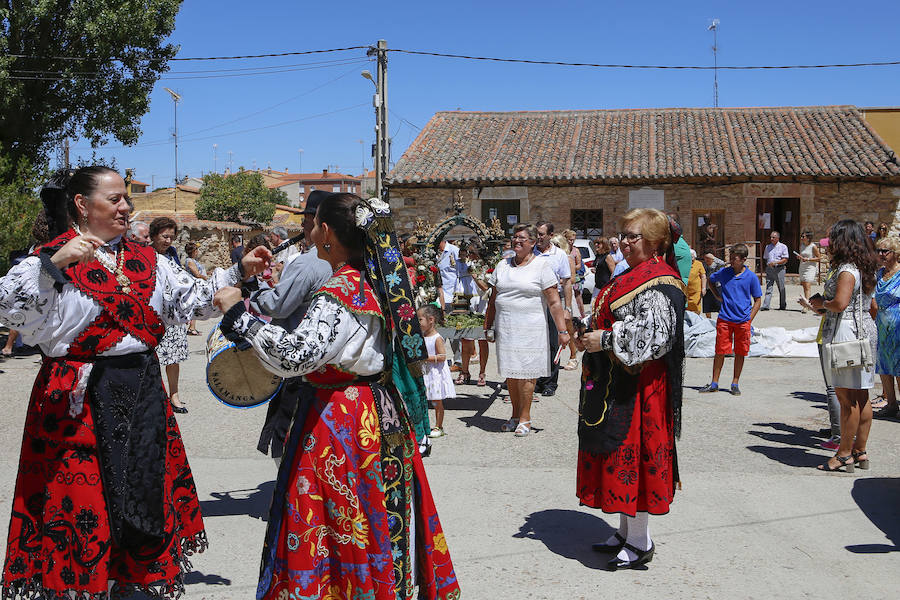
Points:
(521, 238)
(883, 251)
(630, 237)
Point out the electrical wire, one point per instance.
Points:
(269, 55)
(625, 66)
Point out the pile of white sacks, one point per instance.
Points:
(774, 342)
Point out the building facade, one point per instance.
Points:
(748, 171)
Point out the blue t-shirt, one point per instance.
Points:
(738, 293)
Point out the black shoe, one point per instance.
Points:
(181, 410)
(643, 557)
(614, 548)
(538, 389)
(764, 308)
(548, 392)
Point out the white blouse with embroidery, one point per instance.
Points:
(329, 334)
(51, 319)
(644, 328)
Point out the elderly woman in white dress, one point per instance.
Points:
(523, 289)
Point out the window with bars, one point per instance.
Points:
(587, 223)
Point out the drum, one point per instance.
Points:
(236, 377)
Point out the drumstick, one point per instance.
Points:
(288, 243)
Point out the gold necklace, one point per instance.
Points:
(114, 264)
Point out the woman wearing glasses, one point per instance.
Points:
(630, 407)
(523, 287)
(887, 296)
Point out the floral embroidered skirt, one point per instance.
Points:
(59, 544)
(640, 474)
(341, 518)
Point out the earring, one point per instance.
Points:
(327, 247)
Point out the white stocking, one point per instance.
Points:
(638, 528)
(622, 532)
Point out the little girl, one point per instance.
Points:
(438, 382)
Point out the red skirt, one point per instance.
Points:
(640, 475)
(334, 539)
(59, 538)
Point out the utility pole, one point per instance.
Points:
(382, 151)
(714, 27)
(215, 158)
(230, 162)
(175, 97)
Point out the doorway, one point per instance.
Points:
(781, 215)
(505, 210)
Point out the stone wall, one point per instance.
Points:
(215, 244)
(821, 204)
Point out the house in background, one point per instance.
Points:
(748, 171)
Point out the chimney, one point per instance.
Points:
(324, 172)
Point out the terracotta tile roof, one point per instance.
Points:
(189, 219)
(672, 144)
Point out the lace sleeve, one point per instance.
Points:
(185, 297)
(27, 297)
(644, 329)
(318, 340)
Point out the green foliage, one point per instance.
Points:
(121, 52)
(240, 197)
(19, 204)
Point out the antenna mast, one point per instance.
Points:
(714, 27)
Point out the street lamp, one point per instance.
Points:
(175, 98)
(300, 152)
(378, 154)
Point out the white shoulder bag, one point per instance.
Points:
(852, 354)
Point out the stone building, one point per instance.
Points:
(746, 170)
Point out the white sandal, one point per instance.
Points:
(523, 429)
(509, 425)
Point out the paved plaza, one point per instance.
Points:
(754, 520)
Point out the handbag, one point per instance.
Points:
(852, 354)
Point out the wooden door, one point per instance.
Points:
(781, 215)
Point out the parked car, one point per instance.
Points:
(586, 247)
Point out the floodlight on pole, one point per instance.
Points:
(176, 98)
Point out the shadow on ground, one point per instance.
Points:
(252, 501)
(195, 577)
(877, 498)
(801, 446)
(568, 533)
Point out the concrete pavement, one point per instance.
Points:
(754, 520)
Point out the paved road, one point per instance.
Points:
(754, 519)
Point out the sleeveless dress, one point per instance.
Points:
(843, 327)
(352, 514)
(887, 296)
(808, 270)
(438, 380)
(104, 496)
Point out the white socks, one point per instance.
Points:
(637, 534)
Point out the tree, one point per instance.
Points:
(19, 205)
(78, 68)
(239, 197)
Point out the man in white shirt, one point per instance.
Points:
(278, 235)
(615, 251)
(559, 261)
(775, 256)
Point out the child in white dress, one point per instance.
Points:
(438, 381)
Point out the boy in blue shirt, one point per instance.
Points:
(741, 295)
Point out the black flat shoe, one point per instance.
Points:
(179, 409)
(643, 557)
(609, 547)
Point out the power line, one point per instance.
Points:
(626, 66)
(269, 55)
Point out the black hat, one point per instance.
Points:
(315, 198)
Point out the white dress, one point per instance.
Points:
(842, 327)
(438, 381)
(808, 270)
(520, 324)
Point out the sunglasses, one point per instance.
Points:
(883, 251)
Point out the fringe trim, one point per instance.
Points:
(24, 589)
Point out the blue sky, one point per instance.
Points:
(325, 108)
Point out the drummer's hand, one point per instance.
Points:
(78, 249)
(256, 261)
(592, 341)
(227, 297)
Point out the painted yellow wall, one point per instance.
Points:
(886, 123)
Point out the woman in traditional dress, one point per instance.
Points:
(524, 288)
(352, 514)
(630, 408)
(195, 268)
(104, 500)
(173, 347)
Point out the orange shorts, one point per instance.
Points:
(740, 332)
